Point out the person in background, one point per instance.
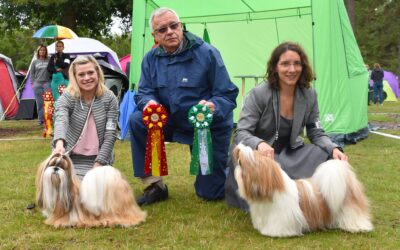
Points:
(377, 77)
(40, 79)
(274, 115)
(58, 67)
(86, 117)
(369, 86)
(181, 72)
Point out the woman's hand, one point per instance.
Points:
(59, 148)
(339, 155)
(96, 164)
(266, 150)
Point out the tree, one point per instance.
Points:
(350, 5)
(19, 19)
(377, 32)
(91, 17)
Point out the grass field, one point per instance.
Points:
(185, 221)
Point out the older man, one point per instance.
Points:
(181, 72)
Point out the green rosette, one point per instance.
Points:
(200, 117)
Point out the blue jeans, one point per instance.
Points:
(39, 91)
(378, 89)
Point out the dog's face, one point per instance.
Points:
(54, 184)
(258, 176)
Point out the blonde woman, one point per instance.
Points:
(86, 117)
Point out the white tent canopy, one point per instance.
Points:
(84, 45)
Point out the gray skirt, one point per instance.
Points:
(297, 163)
(82, 164)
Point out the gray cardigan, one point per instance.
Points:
(70, 117)
(259, 119)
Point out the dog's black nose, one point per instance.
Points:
(56, 169)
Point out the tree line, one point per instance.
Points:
(375, 24)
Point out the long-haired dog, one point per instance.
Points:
(104, 198)
(282, 207)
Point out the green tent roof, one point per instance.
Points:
(246, 31)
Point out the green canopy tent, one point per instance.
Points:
(246, 31)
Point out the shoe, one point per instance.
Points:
(40, 123)
(31, 206)
(152, 194)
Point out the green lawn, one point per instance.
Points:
(185, 221)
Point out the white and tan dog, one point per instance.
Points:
(282, 207)
(104, 198)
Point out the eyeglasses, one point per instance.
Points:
(172, 26)
(286, 65)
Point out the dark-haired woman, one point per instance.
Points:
(275, 114)
(40, 79)
(58, 67)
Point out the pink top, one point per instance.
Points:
(88, 144)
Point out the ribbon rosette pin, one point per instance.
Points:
(200, 117)
(155, 161)
(60, 89)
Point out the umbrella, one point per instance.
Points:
(55, 31)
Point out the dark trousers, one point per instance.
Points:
(378, 91)
(39, 91)
(209, 187)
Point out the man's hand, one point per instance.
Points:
(149, 103)
(266, 150)
(210, 105)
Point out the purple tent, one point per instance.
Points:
(393, 81)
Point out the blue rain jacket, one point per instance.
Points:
(180, 81)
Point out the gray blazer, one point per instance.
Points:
(70, 118)
(259, 119)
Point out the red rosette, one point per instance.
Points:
(60, 89)
(155, 163)
(48, 111)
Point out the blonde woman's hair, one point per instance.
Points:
(377, 66)
(73, 87)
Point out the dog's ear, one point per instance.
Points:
(39, 182)
(261, 176)
(236, 152)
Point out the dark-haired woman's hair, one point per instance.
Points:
(59, 41)
(272, 76)
(37, 51)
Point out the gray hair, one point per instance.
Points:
(159, 12)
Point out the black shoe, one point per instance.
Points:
(152, 194)
(31, 206)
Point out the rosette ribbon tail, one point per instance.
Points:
(155, 117)
(48, 111)
(202, 152)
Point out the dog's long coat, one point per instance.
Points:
(282, 207)
(104, 198)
